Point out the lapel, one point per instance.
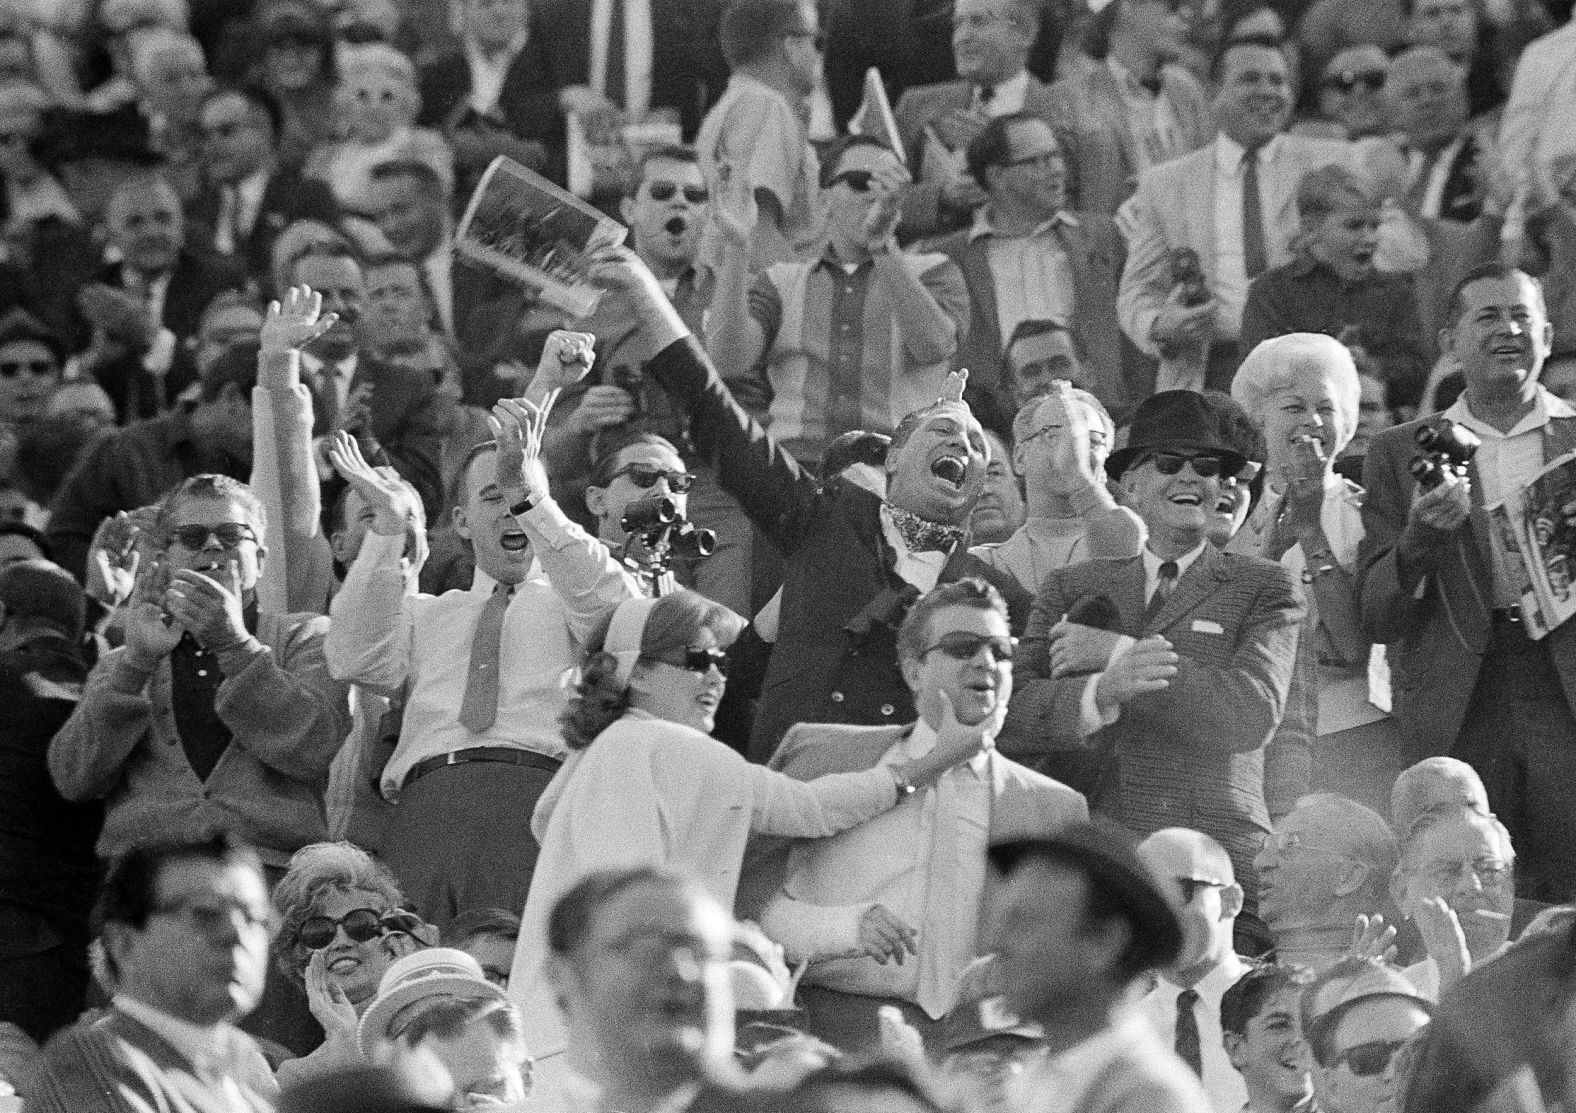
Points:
(1196, 585)
(1124, 580)
(1284, 176)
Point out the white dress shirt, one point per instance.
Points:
(337, 374)
(1438, 172)
(438, 270)
(1150, 117)
(639, 46)
(923, 860)
(1227, 1093)
(1230, 285)
(489, 71)
(1505, 463)
(238, 208)
(1031, 275)
(1061, 1083)
(384, 638)
(1005, 99)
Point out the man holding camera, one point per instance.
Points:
(1438, 585)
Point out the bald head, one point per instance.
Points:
(1196, 875)
(1183, 852)
(1432, 784)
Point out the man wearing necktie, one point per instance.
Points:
(1232, 202)
(1188, 679)
(482, 668)
(888, 912)
(1185, 1005)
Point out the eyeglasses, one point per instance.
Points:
(645, 476)
(965, 647)
(228, 534)
(1489, 873)
(857, 180)
(1348, 80)
(38, 368)
(664, 191)
(1192, 886)
(212, 917)
(1368, 1059)
(1043, 159)
(701, 661)
(361, 926)
(1206, 465)
(1285, 843)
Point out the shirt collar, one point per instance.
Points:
(922, 739)
(1152, 563)
(502, 58)
(1544, 407)
(1221, 977)
(202, 1047)
(982, 226)
(1228, 152)
(1014, 89)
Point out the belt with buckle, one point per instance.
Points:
(506, 755)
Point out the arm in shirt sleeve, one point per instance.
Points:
(812, 931)
(931, 307)
(1145, 281)
(583, 573)
(89, 752)
(282, 706)
(369, 638)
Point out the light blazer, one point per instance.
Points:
(1024, 804)
(1437, 642)
(115, 1064)
(1094, 254)
(923, 214)
(1193, 754)
(1102, 152)
(1175, 207)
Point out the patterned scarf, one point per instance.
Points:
(922, 536)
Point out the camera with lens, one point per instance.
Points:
(1187, 273)
(1447, 450)
(658, 533)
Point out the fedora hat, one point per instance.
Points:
(1108, 858)
(427, 975)
(1177, 421)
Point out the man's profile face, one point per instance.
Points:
(667, 212)
(1301, 866)
(409, 214)
(203, 953)
(146, 225)
(651, 979)
(238, 139)
(1502, 335)
(989, 42)
(999, 510)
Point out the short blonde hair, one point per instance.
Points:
(1290, 361)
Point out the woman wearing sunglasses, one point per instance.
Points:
(343, 924)
(645, 783)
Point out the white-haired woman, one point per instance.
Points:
(646, 784)
(1303, 390)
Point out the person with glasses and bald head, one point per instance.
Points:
(1325, 867)
(214, 712)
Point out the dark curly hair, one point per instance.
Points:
(599, 698)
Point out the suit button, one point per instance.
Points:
(887, 709)
(837, 697)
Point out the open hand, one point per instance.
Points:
(207, 608)
(113, 560)
(1444, 939)
(518, 427)
(295, 321)
(1072, 471)
(330, 1007)
(1372, 938)
(1080, 650)
(885, 936)
(394, 504)
(1144, 666)
(150, 634)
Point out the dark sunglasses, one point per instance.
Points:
(1206, 465)
(965, 647)
(1369, 1059)
(228, 534)
(361, 925)
(41, 368)
(645, 476)
(664, 191)
(1347, 80)
(857, 180)
(702, 661)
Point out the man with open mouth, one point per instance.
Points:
(1187, 678)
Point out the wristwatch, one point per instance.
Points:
(524, 506)
(905, 787)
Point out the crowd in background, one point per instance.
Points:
(1035, 586)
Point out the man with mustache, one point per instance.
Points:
(888, 911)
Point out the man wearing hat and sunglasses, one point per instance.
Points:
(1078, 918)
(1187, 678)
(1356, 1017)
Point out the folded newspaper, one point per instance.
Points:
(1538, 525)
(529, 230)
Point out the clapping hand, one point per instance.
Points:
(1372, 938)
(1078, 650)
(150, 632)
(394, 505)
(295, 321)
(888, 183)
(112, 567)
(1071, 468)
(1444, 939)
(1303, 504)
(208, 608)
(1144, 666)
(330, 1007)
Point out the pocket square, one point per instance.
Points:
(1205, 626)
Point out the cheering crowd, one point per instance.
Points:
(1015, 599)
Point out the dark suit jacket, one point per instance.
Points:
(923, 213)
(1095, 254)
(116, 1065)
(1437, 642)
(287, 197)
(1024, 804)
(528, 101)
(406, 416)
(835, 660)
(1193, 754)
